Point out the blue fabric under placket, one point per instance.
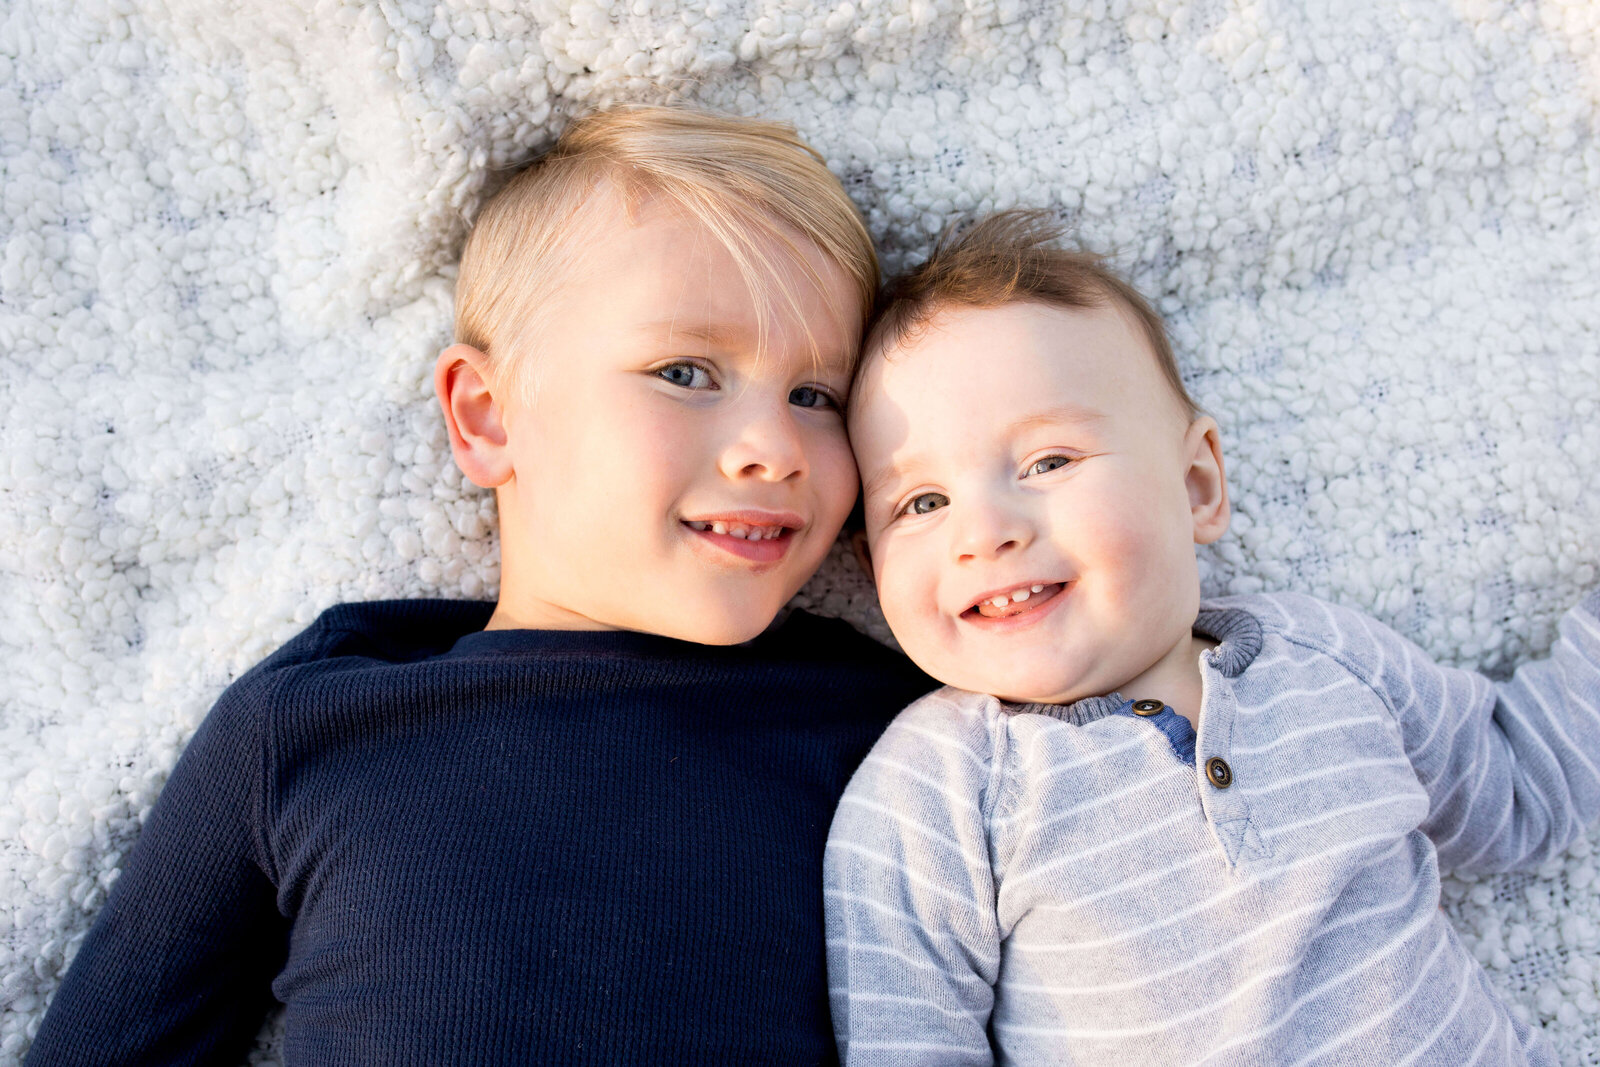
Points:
(1178, 731)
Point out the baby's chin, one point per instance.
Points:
(1015, 690)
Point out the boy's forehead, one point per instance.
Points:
(652, 270)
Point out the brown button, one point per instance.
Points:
(1219, 772)
(1148, 707)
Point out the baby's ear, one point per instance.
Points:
(1206, 480)
(473, 417)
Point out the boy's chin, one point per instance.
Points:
(730, 629)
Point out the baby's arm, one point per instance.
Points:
(913, 943)
(1512, 769)
(178, 966)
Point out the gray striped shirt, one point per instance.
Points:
(1053, 884)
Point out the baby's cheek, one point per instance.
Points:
(1134, 550)
(907, 591)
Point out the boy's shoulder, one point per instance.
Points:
(366, 634)
(395, 631)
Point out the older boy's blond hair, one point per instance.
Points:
(1013, 257)
(747, 181)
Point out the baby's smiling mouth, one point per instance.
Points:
(1018, 601)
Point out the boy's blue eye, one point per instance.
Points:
(923, 503)
(686, 375)
(809, 396)
(1048, 463)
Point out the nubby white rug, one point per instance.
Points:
(226, 237)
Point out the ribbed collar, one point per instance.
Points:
(1238, 637)
(776, 638)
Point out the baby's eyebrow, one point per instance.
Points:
(875, 485)
(1059, 413)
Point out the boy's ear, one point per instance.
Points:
(1206, 481)
(858, 544)
(473, 417)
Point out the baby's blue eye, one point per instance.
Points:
(923, 503)
(685, 375)
(1048, 463)
(809, 396)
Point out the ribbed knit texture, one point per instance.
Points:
(515, 847)
(1044, 884)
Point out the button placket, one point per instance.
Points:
(1226, 809)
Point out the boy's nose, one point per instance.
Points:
(768, 446)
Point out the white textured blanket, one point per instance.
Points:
(226, 235)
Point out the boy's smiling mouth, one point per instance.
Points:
(1016, 600)
(757, 537)
(739, 529)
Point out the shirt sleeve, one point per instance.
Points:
(913, 944)
(1512, 769)
(177, 968)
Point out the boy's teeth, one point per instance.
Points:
(739, 530)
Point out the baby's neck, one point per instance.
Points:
(1174, 679)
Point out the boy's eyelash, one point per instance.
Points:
(834, 400)
(690, 365)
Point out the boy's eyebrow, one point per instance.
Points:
(718, 334)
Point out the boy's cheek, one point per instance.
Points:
(837, 465)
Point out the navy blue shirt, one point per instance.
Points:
(440, 845)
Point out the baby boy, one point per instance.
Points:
(1139, 827)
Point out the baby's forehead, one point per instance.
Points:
(974, 341)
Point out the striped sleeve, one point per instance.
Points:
(1512, 769)
(913, 945)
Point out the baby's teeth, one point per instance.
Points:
(1020, 595)
(1038, 589)
(753, 535)
(719, 528)
(999, 601)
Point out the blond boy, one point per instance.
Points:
(564, 827)
(1148, 828)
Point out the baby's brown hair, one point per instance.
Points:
(1013, 257)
